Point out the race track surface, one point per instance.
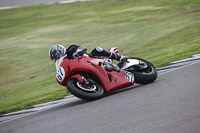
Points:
(169, 105)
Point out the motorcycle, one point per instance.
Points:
(89, 78)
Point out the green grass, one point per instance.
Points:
(160, 31)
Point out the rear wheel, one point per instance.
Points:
(144, 73)
(91, 90)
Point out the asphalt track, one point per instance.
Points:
(169, 105)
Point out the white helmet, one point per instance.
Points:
(56, 52)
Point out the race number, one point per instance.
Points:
(129, 77)
(60, 75)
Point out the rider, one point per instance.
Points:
(74, 51)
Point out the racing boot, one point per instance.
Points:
(98, 51)
(122, 59)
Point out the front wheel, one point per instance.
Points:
(88, 92)
(144, 73)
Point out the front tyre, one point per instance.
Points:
(145, 75)
(89, 92)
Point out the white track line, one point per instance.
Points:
(8, 7)
(60, 2)
(173, 69)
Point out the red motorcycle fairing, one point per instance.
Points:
(110, 81)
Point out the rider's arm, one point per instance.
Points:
(79, 52)
(73, 50)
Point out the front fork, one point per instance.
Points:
(83, 80)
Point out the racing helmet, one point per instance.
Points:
(56, 52)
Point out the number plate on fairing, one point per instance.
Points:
(60, 74)
(129, 76)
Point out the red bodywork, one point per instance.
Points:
(93, 66)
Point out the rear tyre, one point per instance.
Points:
(146, 75)
(89, 92)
